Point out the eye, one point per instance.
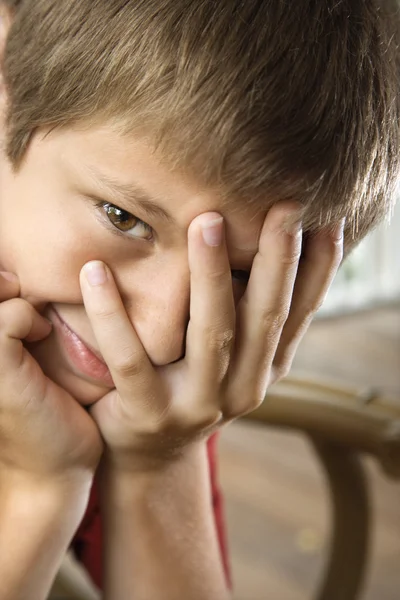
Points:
(241, 276)
(124, 223)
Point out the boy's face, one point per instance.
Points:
(50, 227)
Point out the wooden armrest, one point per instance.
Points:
(341, 422)
(364, 420)
(347, 559)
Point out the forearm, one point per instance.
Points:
(36, 526)
(160, 539)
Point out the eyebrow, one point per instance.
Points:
(132, 193)
(137, 196)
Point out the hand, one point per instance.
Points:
(231, 356)
(45, 434)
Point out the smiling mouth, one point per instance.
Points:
(81, 355)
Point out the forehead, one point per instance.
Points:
(106, 160)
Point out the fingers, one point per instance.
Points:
(230, 358)
(9, 286)
(264, 308)
(321, 259)
(120, 346)
(18, 321)
(211, 329)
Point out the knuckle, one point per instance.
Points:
(105, 314)
(128, 364)
(285, 354)
(258, 396)
(291, 258)
(220, 340)
(237, 410)
(248, 396)
(275, 318)
(309, 310)
(217, 275)
(282, 369)
(255, 404)
(208, 418)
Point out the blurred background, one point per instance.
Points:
(276, 502)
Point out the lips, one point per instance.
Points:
(80, 354)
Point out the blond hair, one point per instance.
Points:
(261, 99)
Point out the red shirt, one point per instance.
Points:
(87, 541)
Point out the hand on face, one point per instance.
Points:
(45, 435)
(232, 356)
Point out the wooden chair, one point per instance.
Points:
(343, 424)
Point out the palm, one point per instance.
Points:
(64, 428)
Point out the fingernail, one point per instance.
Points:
(9, 276)
(95, 273)
(212, 232)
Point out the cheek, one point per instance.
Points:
(47, 265)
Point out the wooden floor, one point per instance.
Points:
(275, 499)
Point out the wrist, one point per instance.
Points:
(37, 523)
(22, 491)
(154, 516)
(122, 487)
(150, 467)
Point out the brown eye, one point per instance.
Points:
(124, 222)
(120, 217)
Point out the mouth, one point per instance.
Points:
(80, 355)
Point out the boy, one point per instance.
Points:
(164, 165)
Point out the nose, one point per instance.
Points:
(158, 308)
